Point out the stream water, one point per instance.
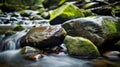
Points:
(10, 56)
(13, 58)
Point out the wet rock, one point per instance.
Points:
(97, 29)
(25, 18)
(18, 28)
(31, 53)
(103, 63)
(44, 37)
(52, 4)
(79, 46)
(36, 17)
(1, 11)
(13, 19)
(29, 50)
(99, 7)
(27, 13)
(34, 57)
(15, 14)
(112, 55)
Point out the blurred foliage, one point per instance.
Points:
(12, 5)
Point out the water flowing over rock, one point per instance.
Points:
(31, 53)
(11, 42)
(97, 29)
(44, 37)
(81, 47)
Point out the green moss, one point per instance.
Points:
(18, 28)
(23, 13)
(2, 32)
(64, 31)
(111, 26)
(79, 46)
(9, 32)
(1, 11)
(66, 11)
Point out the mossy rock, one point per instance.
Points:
(9, 32)
(23, 13)
(97, 28)
(79, 46)
(1, 11)
(67, 12)
(18, 28)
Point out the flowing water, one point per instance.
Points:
(10, 55)
(13, 58)
(11, 42)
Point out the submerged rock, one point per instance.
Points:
(31, 53)
(112, 55)
(79, 46)
(28, 50)
(97, 29)
(44, 37)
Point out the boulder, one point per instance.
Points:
(98, 29)
(44, 37)
(66, 12)
(79, 46)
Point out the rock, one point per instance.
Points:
(118, 43)
(27, 13)
(52, 4)
(34, 57)
(104, 63)
(36, 17)
(98, 7)
(79, 46)
(112, 55)
(18, 28)
(97, 29)
(15, 14)
(44, 37)
(13, 19)
(111, 43)
(31, 53)
(1, 11)
(66, 12)
(29, 50)
(25, 18)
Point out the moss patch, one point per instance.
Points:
(78, 46)
(18, 28)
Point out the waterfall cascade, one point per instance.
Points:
(11, 42)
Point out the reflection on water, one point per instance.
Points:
(13, 58)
